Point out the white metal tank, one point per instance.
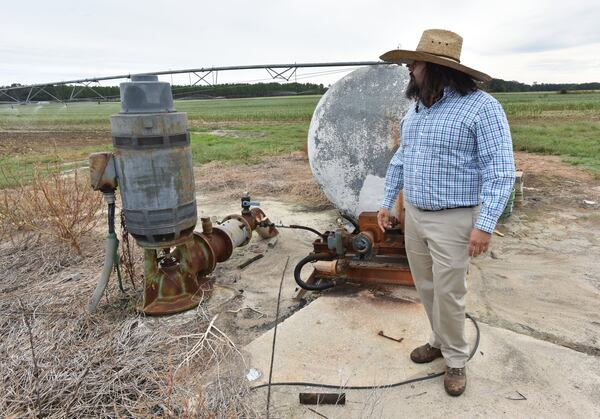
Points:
(354, 133)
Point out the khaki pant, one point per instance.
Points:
(436, 245)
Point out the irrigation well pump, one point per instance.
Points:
(152, 166)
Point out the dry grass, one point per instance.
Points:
(58, 361)
(54, 205)
(287, 177)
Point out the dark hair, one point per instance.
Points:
(436, 78)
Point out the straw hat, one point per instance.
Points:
(436, 46)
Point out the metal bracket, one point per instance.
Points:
(82, 88)
(282, 74)
(203, 78)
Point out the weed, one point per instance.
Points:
(55, 205)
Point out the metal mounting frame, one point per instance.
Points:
(282, 74)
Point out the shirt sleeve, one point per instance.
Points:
(394, 179)
(496, 162)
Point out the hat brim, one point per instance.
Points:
(403, 56)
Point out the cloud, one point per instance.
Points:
(577, 64)
(544, 28)
(65, 39)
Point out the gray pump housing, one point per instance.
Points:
(154, 164)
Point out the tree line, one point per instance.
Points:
(499, 85)
(227, 90)
(246, 90)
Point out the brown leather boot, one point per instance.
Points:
(455, 381)
(425, 353)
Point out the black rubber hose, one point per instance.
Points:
(111, 230)
(298, 270)
(299, 227)
(111, 218)
(352, 221)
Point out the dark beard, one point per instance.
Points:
(412, 90)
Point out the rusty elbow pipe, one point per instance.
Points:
(176, 282)
(261, 223)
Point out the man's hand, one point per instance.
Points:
(383, 219)
(478, 242)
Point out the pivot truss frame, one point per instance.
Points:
(275, 71)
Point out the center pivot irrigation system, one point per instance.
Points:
(206, 76)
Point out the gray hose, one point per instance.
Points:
(109, 260)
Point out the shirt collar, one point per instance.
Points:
(448, 92)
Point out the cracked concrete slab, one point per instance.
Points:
(542, 281)
(334, 340)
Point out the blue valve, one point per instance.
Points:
(250, 204)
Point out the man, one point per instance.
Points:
(456, 167)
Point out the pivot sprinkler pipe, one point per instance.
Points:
(152, 168)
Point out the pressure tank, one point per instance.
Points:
(154, 164)
(354, 133)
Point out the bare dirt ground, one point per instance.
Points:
(541, 279)
(27, 141)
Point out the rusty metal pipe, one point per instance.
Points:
(261, 223)
(180, 286)
(206, 225)
(238, 231)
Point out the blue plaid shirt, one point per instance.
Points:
(456, 153)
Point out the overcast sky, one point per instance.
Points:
(43, 40)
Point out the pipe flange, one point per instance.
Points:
(246, 224)
(208, 253)
(227, 249)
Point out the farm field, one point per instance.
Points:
(246, 130)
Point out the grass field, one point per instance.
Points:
(559, 124)
(245, 130)
(91, 114)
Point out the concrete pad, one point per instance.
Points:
(542, 279)
(541, 294)
(334, 340)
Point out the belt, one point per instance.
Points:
(444, 209)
